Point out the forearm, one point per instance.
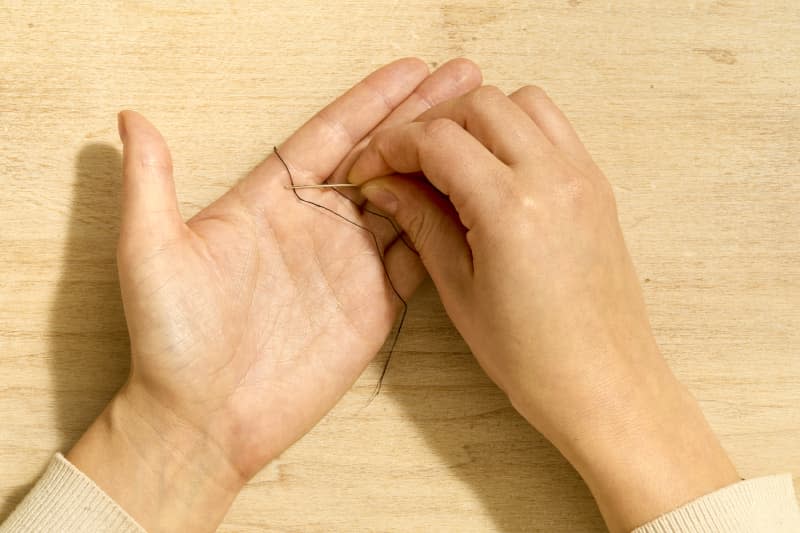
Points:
(163, 473)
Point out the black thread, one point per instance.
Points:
(398, 232)
(380, 255)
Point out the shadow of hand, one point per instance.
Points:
(88, 337)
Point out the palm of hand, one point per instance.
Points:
(252, 319)
(271, 315)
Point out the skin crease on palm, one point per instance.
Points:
(251, 320)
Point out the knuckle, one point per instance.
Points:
(380, 94)
(380, 143)
(574, 188)
(439, 127)
(533, 92)
(571, 190)
(419, 226)
(489, 92)
(153, 167)
(506, 187)
(577, 193)
(484, 95)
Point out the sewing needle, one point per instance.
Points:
(321, 186)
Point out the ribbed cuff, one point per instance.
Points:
(760, 505)
(66, 500)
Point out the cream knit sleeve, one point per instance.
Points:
(759, 505)
(66, 501)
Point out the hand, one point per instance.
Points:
(518, 229)
(250, 321)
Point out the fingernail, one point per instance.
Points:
(121, 127)
(381, 197)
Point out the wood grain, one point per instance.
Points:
(692, 108)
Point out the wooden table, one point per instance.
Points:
(692, 108)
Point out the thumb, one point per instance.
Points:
(431, 222)
(150, 212)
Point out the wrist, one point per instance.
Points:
(166, 474)
(644, 448)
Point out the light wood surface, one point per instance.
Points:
(692, 108)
